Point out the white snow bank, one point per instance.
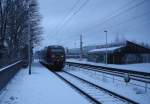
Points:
(41, 87)
(141, 67)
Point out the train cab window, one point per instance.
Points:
(56, 50)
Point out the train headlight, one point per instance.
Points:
(53, 56)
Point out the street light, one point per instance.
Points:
(29, 38)
(106, 46)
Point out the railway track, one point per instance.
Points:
(144, 80)
(141, 76)
(93, 92)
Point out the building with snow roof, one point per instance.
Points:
(128, 52)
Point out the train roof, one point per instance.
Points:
(55, 46)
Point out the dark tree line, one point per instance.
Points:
(18, 18)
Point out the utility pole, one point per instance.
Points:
(106, 59)
(75, 45)
(29, 39)
(81, 47)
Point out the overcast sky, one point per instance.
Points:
(64, 21)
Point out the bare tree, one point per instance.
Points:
(14, 25)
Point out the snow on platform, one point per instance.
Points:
(141, 67)
(42, 87)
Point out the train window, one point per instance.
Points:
(56, 50)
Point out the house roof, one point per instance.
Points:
(130, 47)
(109, 49)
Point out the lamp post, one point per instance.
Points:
(106, 58)
(29, 39)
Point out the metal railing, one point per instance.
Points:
(8, 72)
(143, 77)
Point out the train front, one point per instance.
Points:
(57, 57)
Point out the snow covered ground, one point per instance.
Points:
(42, 87)
(141, 67)
(134, 92)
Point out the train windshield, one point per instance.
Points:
(57, 50)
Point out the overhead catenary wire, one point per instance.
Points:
(130, 19)
(115, 15)
(72, 15)
(69, 12)
(119, 12)
(122, 11)
(127, 21)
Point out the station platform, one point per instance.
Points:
(41, 87)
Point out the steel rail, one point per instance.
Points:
(116, 72)
(74, 87)
(78, 89)
(106, 90)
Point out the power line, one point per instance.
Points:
(126, 21)
(130, 2)
(69, 12)
(125, 10)
(131, 19)
(124, 6)
(118, 14)
(73, 14)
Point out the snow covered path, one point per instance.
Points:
(42, 87)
